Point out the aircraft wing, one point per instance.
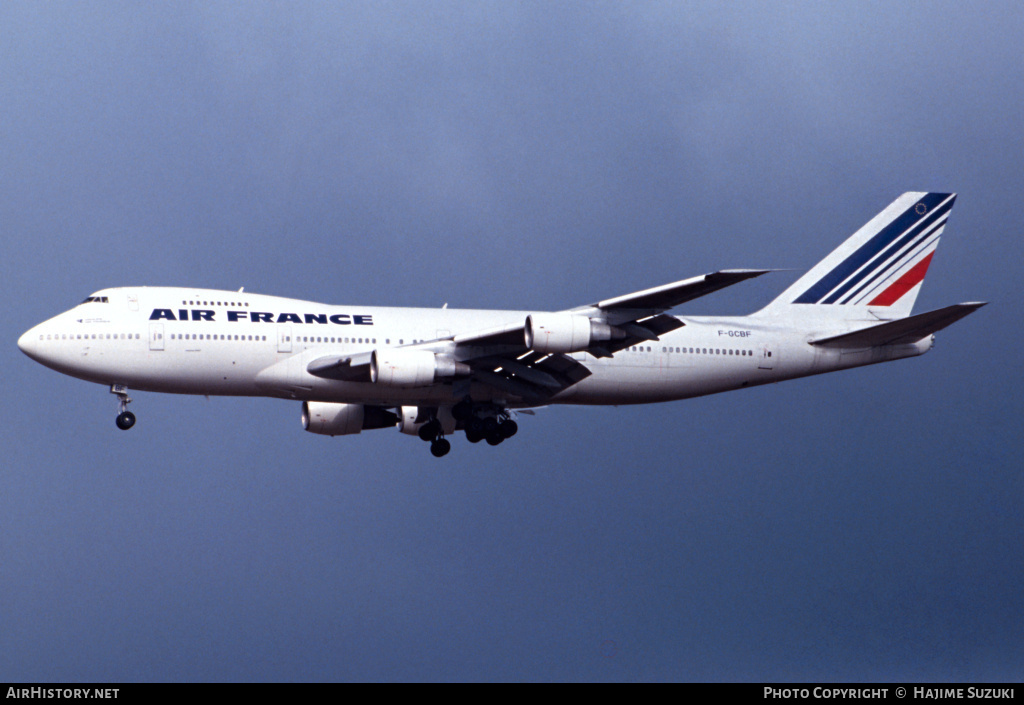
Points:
(659, 299)
(500, 357)
(640, 306)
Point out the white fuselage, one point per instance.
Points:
(189, 341)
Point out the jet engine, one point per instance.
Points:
(402, 367)
(564, 332)
(412, 418)
(332, 419)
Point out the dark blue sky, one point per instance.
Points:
(865, 525)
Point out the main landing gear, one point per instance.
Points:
(433, 433)
(493, 429)
(125, 419)
(485, 422)
(481, 422)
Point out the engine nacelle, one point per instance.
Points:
(332, 419)
(412, 418)
(402, 367)
(564, 332)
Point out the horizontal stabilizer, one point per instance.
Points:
(903, 331)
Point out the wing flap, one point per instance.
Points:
(532, 377)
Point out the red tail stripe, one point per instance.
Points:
(904, 284)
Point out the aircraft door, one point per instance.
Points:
(284, 339)
(156, 336)
(769, 357)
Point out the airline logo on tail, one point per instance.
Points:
(892, 255)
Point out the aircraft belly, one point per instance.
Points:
(624, 384)
(674, 379)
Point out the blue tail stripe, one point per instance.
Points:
(872, 247)
(926, 235)
(915, 232)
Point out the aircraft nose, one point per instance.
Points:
(29, 342)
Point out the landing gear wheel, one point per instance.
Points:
(440, 447)
(462, 411)
(429, 431)
(508, 428)
(125, 420)
(494, 437)
(474, 436)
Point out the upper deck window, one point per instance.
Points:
(96, 300)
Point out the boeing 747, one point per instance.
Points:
(432, 372)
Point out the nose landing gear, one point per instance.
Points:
(125, 419)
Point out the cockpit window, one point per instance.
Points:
(95, 300)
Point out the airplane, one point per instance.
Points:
(431, 372)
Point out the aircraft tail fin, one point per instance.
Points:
(876, 274)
